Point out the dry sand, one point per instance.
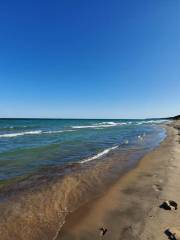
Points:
(130, 208)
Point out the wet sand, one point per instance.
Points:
(130, 208)
(36, 207)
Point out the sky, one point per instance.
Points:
(89, 58)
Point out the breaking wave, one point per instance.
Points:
(106, 151)
(102, 125)
(151, 122)
(58, 131)
(37, 132)
(10, 135)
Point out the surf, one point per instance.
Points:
(99, 155)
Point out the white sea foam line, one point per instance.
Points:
(91, 126)
(20, 134)
(101, 125)
(10, 135)
(151, 121)
(58, 131)
(106, 151)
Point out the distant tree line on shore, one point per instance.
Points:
(175, 117)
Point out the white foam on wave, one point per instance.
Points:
(151, 121)
(9, 135)
(37, 132)
(90, 126)
(58, 131)
(101, 125)
(106, 151)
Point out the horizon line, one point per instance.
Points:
(54, 118)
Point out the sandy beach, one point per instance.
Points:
(126, 206)
(130, 208)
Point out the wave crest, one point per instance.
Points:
(106, 151)
(152, 122)
(37, 132)
(101, 125)
(9, 135)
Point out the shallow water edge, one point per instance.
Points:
(36, 207)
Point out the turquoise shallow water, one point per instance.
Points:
(28, 145)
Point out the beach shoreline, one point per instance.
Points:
(93, 196)
(130, 208)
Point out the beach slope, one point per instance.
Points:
(130, 208)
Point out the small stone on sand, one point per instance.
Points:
(169, 205)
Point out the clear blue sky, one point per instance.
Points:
(89, 58)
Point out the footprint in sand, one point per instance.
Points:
(157, 187)
(173, 233)
(172, 167)
(103, 231)
(160, 181)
